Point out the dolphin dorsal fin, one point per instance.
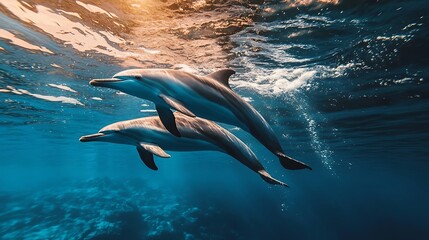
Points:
(222, 76)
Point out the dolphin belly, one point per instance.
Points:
(187, 145)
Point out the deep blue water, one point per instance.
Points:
(344, 85)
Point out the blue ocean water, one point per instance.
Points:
(344, 84)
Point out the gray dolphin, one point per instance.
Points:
(151, 137)
(208, 97)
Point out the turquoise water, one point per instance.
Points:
(344, 86)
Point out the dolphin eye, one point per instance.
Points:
(138, 77)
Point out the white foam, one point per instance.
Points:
(275, 81)
(403, 80)
(61, 99)
(62, 87)
(13, 90)
(148, 110)
(247, 99)
(394, 37)
(56, 66)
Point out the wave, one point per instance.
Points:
(50, 98)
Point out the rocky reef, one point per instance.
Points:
(109, 209)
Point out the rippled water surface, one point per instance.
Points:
(344, 84)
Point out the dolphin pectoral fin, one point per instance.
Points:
(290, 163)
(267, 177)
(168, 120)
(154, 149)
(175, 104)
(222, 76)
(147, 158)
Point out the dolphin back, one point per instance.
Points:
(224, 140)
(217, 135)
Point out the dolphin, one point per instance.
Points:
(209, 97)
(151, 138)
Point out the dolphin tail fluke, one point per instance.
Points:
(267, 177)
(290, 163)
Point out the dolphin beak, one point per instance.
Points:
(92, 137)
(101, 82)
